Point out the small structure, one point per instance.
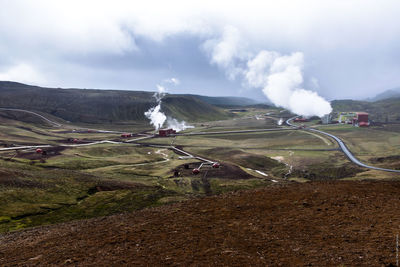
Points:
(300, 119)
(346, 117)
(215, 165)
(166, 132)
(326, 119)
(196, 171)
(361, 119)
(126, 135)
(75, 140)
(39, 150)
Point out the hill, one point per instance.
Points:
(226, 101)
(341, 223)
(391, 93)
(103, 106)
(387, 110)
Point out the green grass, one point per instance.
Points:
(91, 181)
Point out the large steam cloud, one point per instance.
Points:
(279, 76)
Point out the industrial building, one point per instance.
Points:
(346, 117)
(300, 119)
(361, 119)
(126, 135)
(166, 132)
(326, 119)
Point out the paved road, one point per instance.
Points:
(235, 131)
(344, 148)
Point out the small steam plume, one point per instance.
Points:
(280, 121)
(279, 76)
(157, 117)
(154, 114)
(176, 125)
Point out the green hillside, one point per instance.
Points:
(103, 106)
(226, 101)
(391, 93)
(387, 110)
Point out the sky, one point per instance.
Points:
(340, 49)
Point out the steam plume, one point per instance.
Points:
(157, 117)
(279, 76)
(154, 114)
(176, 125)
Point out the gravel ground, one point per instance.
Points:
(313, 224)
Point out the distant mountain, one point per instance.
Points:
(387, 110)
(391, 93)
(104, 106)
(226, 101)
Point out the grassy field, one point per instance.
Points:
(369, 144)
(82, 182)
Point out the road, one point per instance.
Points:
(33, 113)
(234, 131)
(56, 124)
(343, 147)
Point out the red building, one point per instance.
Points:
(166, 132)
(361, 119)
(125, 135)
(300, 119)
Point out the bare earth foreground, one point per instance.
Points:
(317, 223)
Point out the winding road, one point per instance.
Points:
(33, 113)
(56, 124)
(343, 147)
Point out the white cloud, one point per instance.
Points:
(326, 31)
(226, 50)
(110, 26)
(23, 73)
(174, 81)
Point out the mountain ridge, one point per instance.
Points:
(103, 106)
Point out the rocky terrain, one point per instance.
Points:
(313, 224)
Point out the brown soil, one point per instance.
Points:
(392, 162)
(50, 152)
(317, 223)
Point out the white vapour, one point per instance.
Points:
(227, 51)
(280, 121)
(174, 81)
(279, 76)
(177, 125)
(154, 114)
(157, 117)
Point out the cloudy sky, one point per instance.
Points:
(342, 48)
